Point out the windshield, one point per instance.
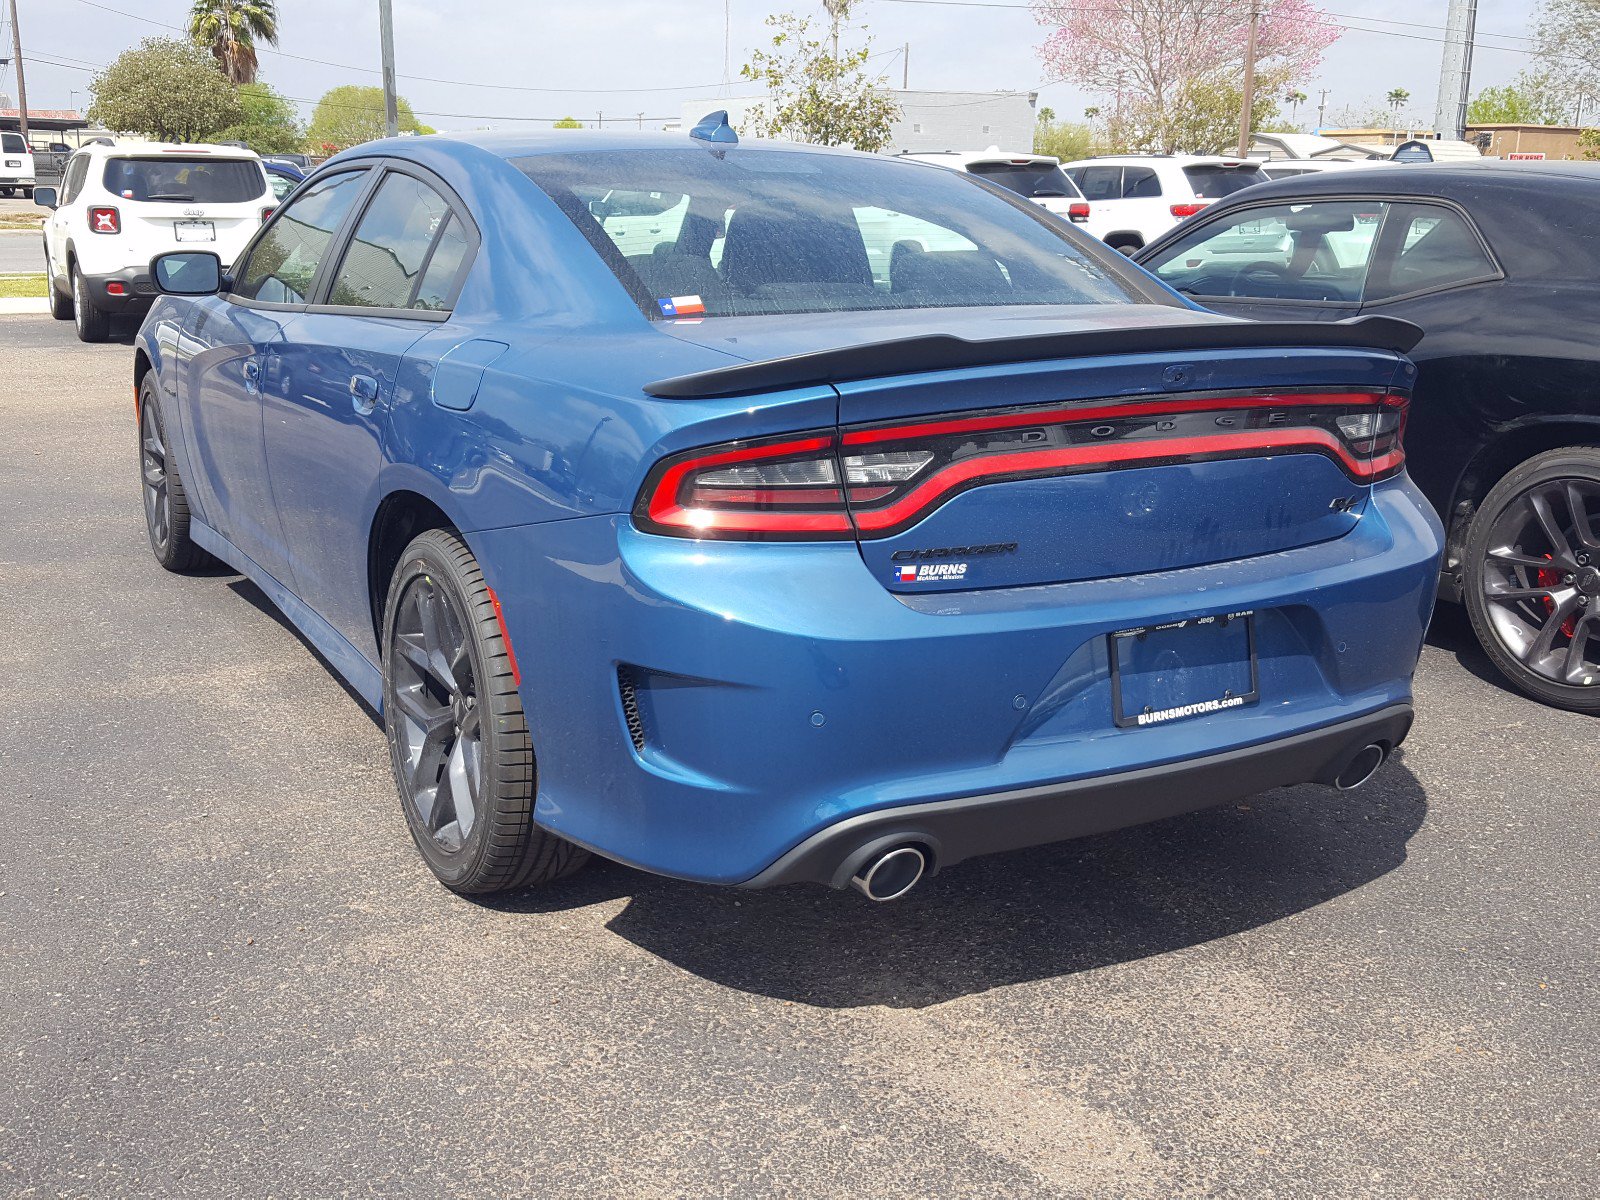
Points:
(185, 180)
(1027, 179)
(1213, 183)
(753, 232)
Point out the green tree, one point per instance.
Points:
(1294, 100)
(1206, 117)
(349, 115)
(166, 89)
(568, 123)
(818, 94)
(1397, 98)
(1066, 140)
(230, 28)
(1589, 143)
(1519, 103)
(1566, 47)
(269, 125)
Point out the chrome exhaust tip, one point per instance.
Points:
(892, 874)
(1362, 766)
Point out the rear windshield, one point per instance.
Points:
(754, 232)
(185, 180)
(12, 143)
(1028, 179)
(1213, 183)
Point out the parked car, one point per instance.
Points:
(723, 558)
(119, 206)
(1288, 168)
(1500, 266)
(301, 162)
(282, 177)
(1037, 177)
(16, 166)
(1135, 198)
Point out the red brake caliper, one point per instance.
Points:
(1550, 578)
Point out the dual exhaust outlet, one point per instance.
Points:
(892, 873)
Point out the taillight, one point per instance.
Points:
(1186, 210)
(1078, 211)
(266, 213)
(105, 220)
(876, 481)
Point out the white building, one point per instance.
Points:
(928, 120)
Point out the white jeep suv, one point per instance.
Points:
(1036, 177)
(1135, 198)
(120, 206)
(16, 165)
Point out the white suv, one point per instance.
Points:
(120, 206)
(16, 165)
(1036, 177)
(1135, 198)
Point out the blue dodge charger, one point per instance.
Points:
(757, 513)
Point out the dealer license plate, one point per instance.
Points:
(1182, 669)
(195, 231)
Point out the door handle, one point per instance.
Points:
(363, 393)
(252, 375)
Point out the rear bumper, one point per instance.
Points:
(953, 830)
(137, 295)
(710, 710)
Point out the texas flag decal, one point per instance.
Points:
(907, 574)
(682, 306)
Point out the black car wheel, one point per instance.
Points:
(60, 302)
(458, 739)
(166, 505)
(1533, 577)
(94, 324)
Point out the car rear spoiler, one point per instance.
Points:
(943, 352)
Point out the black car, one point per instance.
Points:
(1499, 263)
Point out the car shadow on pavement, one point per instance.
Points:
(1451, 631)
(246, 589)
(1016, 918)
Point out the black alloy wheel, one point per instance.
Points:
(166, 504)
(459, 746)
(1533, 577)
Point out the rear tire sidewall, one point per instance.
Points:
(460, 870)
(1576, 462)
(93, 324)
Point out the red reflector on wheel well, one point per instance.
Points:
(505, 637)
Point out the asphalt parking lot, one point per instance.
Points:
(227, 972)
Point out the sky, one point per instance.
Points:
(471, 64)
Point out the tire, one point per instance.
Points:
(450, 702)
(166, 504)
(60, 305)
(94, 324)
(1532, 577)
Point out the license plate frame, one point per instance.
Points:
(186, 231)
(1123, 680)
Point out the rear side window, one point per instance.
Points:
(1140, 183)
(12, 143)
(72, 184)
(284, 262)
(391, 244)
(1432, 248)
(436, 292)
(181, 180)
(1215, 182)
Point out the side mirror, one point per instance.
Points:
(44, 197)
(187, 273)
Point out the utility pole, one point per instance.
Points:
(1322, 108)
(22, 86)
(391, 103)
(1246, 113)
(1455, 71)
(905, 68)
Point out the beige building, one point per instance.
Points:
(1552, 141)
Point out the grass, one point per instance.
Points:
(22, 220)
(13, 287)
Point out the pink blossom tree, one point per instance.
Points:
(1173, 68)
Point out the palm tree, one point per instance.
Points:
(1295, 100)
(229, 29)
(1397, 99)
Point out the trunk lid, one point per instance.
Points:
(1065, 468)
